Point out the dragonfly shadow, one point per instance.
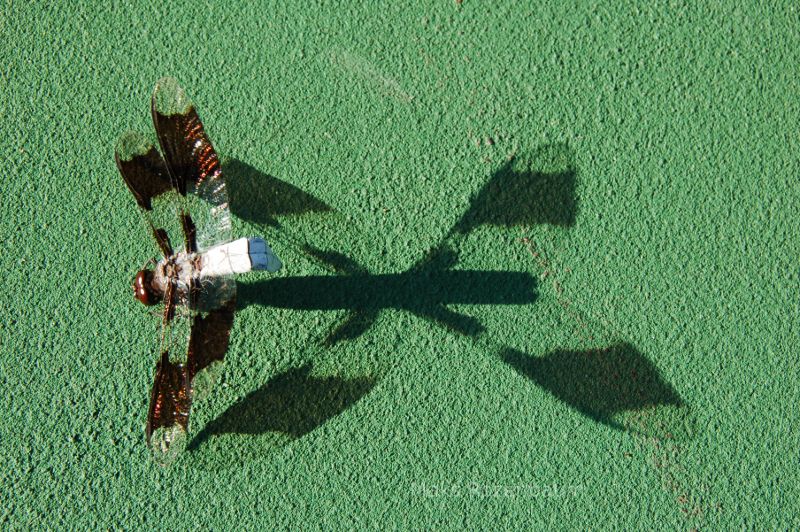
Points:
(292, 403)
(533, 188)
(425, 290)
(259, 197)
(616, 385)
(536, 188)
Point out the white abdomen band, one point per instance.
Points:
(239, 256)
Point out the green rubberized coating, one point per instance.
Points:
(540, 265)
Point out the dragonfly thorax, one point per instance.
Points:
(179, 270)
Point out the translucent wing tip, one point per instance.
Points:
(131, 144)
(204, 381)
(169, 98)
(167, 443)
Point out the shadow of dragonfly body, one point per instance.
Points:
(425, 290)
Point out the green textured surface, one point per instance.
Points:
(631, 363)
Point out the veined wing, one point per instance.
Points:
(192, 163)
(142, 168)
(208, 343)
(170, 397)
(146, 175)
(178, 383)
(168, 417)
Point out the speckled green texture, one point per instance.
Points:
(540, 265)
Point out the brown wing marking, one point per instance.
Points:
(191, 161)
(168, 418)
(163, 241)
(146, 174)
(208, 343)
(142, 168)
(187, 150)
(189, 232)
(170, 304)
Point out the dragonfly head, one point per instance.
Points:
(143, 288)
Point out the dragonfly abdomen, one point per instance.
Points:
(240, 256)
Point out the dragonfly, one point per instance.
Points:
(181, 190)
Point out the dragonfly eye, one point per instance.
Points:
(143, 288)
